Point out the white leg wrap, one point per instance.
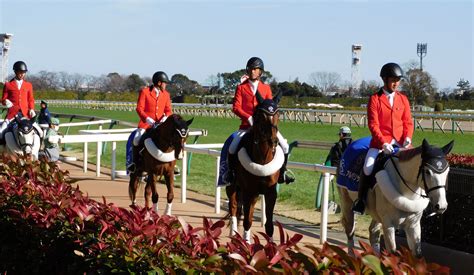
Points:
(376, 248)
(168, 209)
(155, 207)
(247, 236)
(233, 225)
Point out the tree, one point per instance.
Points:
(367, 88)
(134, 82)
(419, 86)
(182, 85)
(231, 80)
(45, 80)
(295, 88)
(326, 82)
(115, 83)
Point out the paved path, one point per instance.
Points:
(198, 206)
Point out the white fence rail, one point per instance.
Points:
(209, 149)
(116, 135)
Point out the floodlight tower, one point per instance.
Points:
(5, 39)
(421, 50)
(355, 75)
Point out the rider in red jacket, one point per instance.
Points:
(247, 96)
(390, 123)
(153, 105)
(18, 93)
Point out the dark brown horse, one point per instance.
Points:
(160, 147)
(258, 168)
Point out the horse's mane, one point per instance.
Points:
(407, 154)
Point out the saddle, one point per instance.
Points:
(352, 163)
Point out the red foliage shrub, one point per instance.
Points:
(49, 227)
(461, 160)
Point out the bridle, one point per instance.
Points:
(273, 141)
(424, 165)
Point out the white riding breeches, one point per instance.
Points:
(138, 135)
(371, 156)
(283, 143)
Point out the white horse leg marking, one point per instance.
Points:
(168, 209)
(155, 207)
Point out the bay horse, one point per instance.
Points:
(408, 181)
(161, 146)
(260, 159)
(23, 137)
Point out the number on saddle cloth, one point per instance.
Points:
(223, 161)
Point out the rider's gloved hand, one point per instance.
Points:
(407, 142)
(32, 113)
(8, 103)
(163, 119)
(250, 120)
(387, 148)
(150, 121)
(243, 78)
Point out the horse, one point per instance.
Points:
(408, 181)
(260, 159)
(23, 137)
(161, 146)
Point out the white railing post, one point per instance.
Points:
(99, 149)
(184, 174)
(264, 215)
(84, 161)
(114, 154)
(218, 188)
(324, 209)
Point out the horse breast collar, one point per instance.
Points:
(157, 153)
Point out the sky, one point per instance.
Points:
(200, 38)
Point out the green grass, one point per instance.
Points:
(300, 195)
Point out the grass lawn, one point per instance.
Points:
(300, 195)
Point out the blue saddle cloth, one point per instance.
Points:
(223, 162)
(352, 163)
(129, 152)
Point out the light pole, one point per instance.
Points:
(421, 50)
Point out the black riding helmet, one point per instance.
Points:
(268, 106)
(253, 63)
(391, 70)
(20, 66)
(159, 76)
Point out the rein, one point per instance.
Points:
(420, 171)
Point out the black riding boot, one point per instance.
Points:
(135, 159)
(284, 176)
(229, 177)
(358, 206)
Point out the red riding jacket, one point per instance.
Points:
(386, 122)
(149, 105)
(245, 101)
(22, 98)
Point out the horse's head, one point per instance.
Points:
(179, 134)
(25, 134)
(434, 171)
(265, 124)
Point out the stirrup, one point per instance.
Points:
(131, 168)
(358, 207)
(287, 177)
(228, 178)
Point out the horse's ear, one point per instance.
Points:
(277, 97)
(189, 121)
(425, 145)
(175, 118)
(448, 147)
(17, 119)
